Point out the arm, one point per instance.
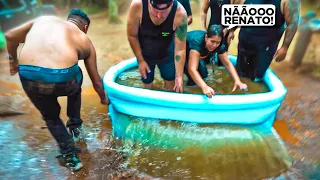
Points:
(16, 36)
(91, 65)
(203, 15)
(133, 23)
(186, 5)
(190, 19)
(291, 15)
(232, 29)
(180, 51)
(291, 12)
(229, 66)
(193, 65)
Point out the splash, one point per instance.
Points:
(175, 150)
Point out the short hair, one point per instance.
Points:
(215, 30)
(79, 15)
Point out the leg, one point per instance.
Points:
(246, 60)
(41, 96)
(74, 105)
(73, 110)
(147, 83)
(168, 73)
(264, 59)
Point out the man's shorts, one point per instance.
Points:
(167, 70)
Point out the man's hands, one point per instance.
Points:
(280, 54)
(208, 91)
(178, 85)
(144, 69)
(241, 86)
(105, 101)
(13, 68)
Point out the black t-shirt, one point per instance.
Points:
(196, 41)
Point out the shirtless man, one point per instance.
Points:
(48, 68)
(156, 32)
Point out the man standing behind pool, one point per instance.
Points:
(156, 32)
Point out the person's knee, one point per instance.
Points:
(168, 73)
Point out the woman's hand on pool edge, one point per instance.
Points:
(208, 91)
(242, 86)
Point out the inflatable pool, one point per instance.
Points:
(250, 110)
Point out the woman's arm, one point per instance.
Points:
(230, 67)
(193, 64)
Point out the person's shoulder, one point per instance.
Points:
(181, 15)
(47, 19)
(222, 49)
(180, 9)
(197, 34)
(136, 4)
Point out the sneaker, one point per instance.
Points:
(71, 161)
(76, 133)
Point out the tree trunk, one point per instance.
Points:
(113, 12)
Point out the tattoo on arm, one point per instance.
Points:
(178, 58)
(181, 31)
(292, 10)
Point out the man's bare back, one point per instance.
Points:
(54, 43)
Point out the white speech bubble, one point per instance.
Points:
(248, 15)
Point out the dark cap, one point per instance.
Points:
(155, 4)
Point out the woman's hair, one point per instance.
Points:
(215, 30)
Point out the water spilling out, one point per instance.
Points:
(174, 150)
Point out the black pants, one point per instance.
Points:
(44, 97)
(254, 60)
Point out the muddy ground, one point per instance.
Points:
(27, 150)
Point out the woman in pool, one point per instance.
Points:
(201, 44)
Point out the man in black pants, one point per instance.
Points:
(156, 32)
(258, 45)
(48, 68)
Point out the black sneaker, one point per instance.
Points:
(71, 161)
(76, 133)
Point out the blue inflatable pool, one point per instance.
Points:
(250, 110)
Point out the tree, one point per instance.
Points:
(113, 11)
